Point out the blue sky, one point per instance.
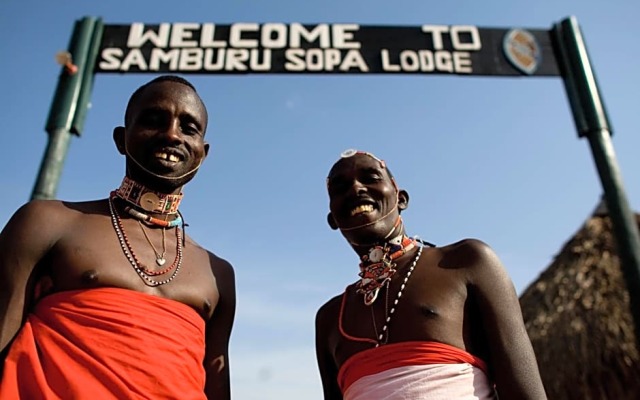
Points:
(492, 158)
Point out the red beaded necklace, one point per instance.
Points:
(144, 272)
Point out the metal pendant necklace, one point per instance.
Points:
(160, 260)
(145, 274)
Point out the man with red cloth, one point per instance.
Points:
(421, 322)
(109, 299)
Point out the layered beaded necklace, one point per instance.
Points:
(143, 271)
(381, 337)
(378, 266)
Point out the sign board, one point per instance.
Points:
(252, 48)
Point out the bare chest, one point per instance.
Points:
(153, 261)
(429, 306)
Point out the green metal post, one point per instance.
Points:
(86, 87)
(591, 122)
(62, 112)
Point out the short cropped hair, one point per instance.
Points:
(163, 78)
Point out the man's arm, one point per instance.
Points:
(218, 333)
(513, 361)
(325, 318)
(30, 233)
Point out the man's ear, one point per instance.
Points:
(118, 139)
(332, 222)
(403, 200)
(206, 149)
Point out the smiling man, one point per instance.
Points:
(109, 298)
(421, 322)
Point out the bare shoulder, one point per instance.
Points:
(33, 230)
(219, 265)
(37, 208)
(328, 311)
(472, 255)
(59, 211)
(221, 269)
(45, 216)
(468, 253)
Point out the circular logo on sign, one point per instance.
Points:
(522, 50)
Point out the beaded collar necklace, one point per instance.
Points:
(148, 219)
(378, 266)
(142, 197)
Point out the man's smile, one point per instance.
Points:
(362, 209)
(167, 156)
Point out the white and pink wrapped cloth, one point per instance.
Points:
(415, 371)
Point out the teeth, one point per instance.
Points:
(364, 208)
(165, 156)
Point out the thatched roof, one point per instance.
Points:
(578, 318)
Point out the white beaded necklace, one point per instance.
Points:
(385, 329)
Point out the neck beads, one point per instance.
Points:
(376, 270)
(147, 199)
(378, 266)
(135, 191)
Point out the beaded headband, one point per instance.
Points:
(148, 200)
(352, 152)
